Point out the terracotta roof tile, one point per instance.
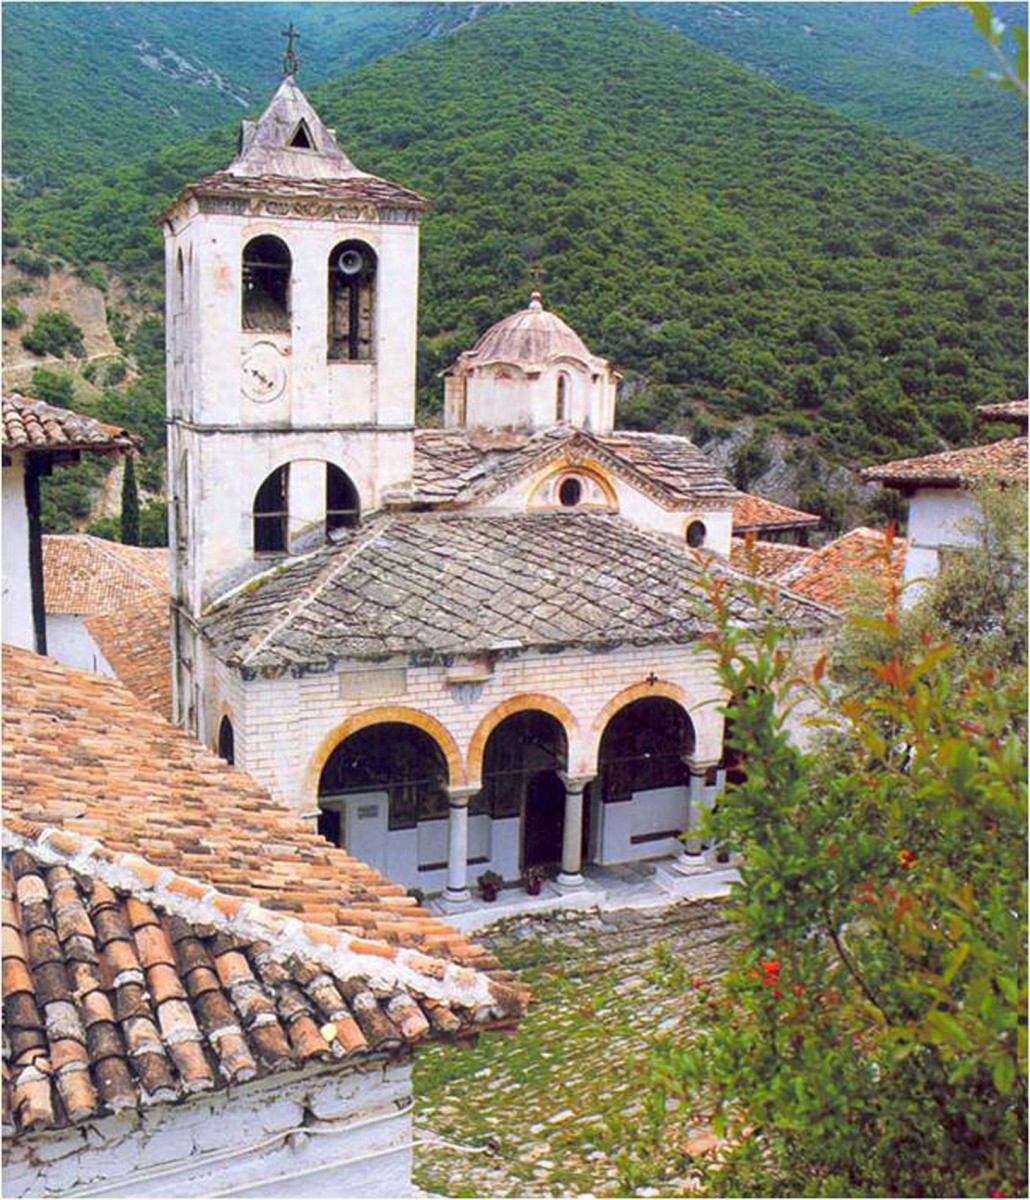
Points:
(828, 575)
(35, 425)
(766, 560)
(149, 789)
(279, 1000)
(753, 514)
(89, 576)
(1017, 412)
(1004, 461)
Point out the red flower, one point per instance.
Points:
(907, 859)
(771, 968)
(777, 993)
(798, 990)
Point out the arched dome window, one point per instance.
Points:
(352, 302)
(561, 407)
(272, 513)
(342, 504)
(266, 285)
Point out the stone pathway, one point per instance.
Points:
(561, 1107)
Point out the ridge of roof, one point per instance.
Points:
(335, 565)
(754, 513)
(1015, 411)
(376, 963)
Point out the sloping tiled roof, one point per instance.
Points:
(753, 514)
(82, 753)
(431, 585)
(126, 986)
(356, 189)
(765, 560)
(828, 575)
(136, 641)
(1015, 411)
(89, 575)
(35, 425)
(460, 466)
(533, 336)
(1004, 461)
(123, 593)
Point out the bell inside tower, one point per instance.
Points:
(352, 278)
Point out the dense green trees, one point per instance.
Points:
(735, 249)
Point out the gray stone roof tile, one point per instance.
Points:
(433, 585)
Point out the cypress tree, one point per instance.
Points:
(130, 503)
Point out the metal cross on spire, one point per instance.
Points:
(291, 60)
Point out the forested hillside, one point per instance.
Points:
(127, 78)
(737, 250)
(907, 72)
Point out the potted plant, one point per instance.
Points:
(535, 877)
(490, 884)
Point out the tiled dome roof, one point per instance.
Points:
(532, 335)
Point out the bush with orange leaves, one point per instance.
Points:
(873, 1039)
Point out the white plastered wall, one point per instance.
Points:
(322, 1132)
(17, 582)
(937, 518)
(70, 642)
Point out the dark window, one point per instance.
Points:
(271, 513)
(301, 139)
(643, 747)
(342, 506)
(226, 741)
(696, 533)
(522, 747)
(352, 279)
(395, 758)
(562, 406)
(266, 285)
(570, 493)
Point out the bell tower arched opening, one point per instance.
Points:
(266, 285)
(352, 301)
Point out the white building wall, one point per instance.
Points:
(70, 642)
(937, 518)
(324, 1132)
(17, 583)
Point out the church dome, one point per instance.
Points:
(532, 335)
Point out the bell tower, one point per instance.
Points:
(291, 308)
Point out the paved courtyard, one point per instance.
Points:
(562, 1107)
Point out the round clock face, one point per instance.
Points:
(263, 374)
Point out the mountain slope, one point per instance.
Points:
(906, 72)
(747, 252)
(127, 78)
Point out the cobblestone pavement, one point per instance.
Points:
(561, 1106)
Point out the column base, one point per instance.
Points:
(456, 899)
(691, 864)
(569, 882)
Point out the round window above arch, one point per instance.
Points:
(574, 487)
(697, 532)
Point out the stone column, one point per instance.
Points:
(691, 859)
(570, 877)
(456, 895)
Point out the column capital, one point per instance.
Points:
(459, 797)
(575, 783)
(699, 767)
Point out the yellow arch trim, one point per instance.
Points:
(640, 691)
(379, 716)
(583, 466)
(507, 708)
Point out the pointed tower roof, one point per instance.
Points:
(290, 140)
(290, 153)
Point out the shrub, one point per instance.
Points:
(54, 332)
(30, 264)
(13, 317)
(870, 1039)
(52, 386)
